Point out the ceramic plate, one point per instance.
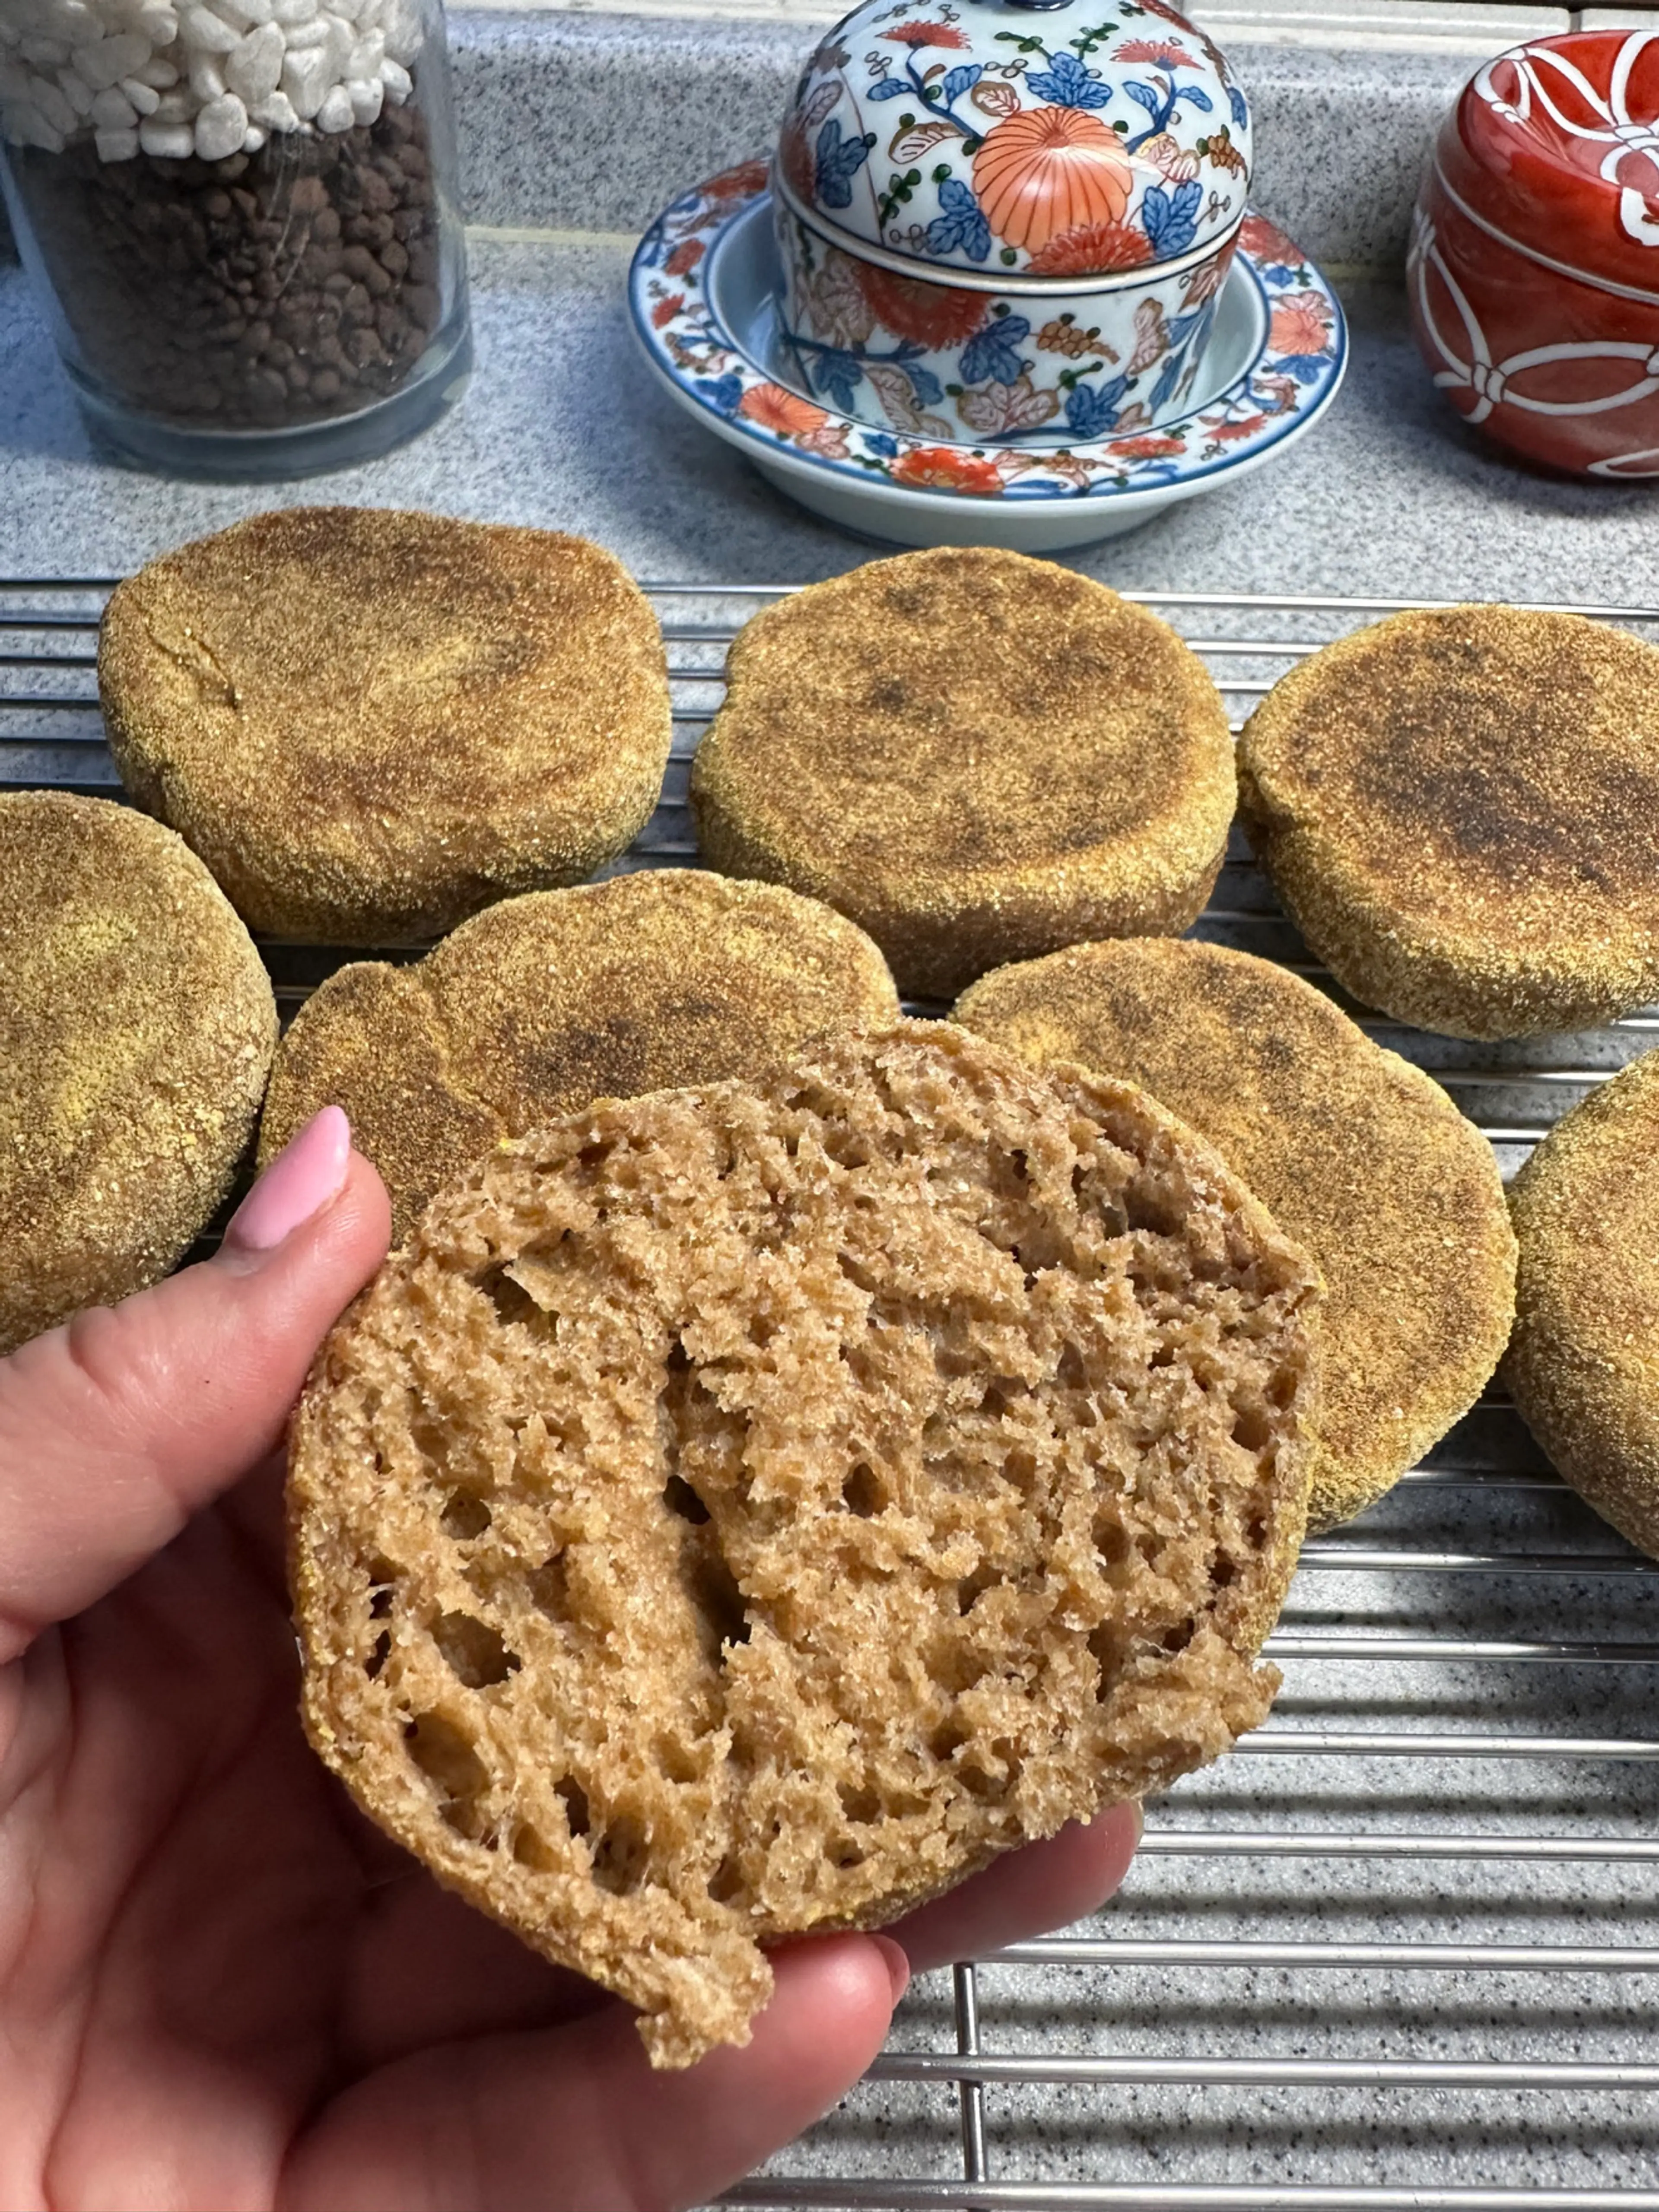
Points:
(702, 294)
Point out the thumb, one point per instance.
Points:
(117, 1427)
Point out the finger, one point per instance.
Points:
(574, 2117)
(1042, 1886)
(424, 1967)
(114, 1429)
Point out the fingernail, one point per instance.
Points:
(1139, 1812)
(300, 1181)
(898, 1964)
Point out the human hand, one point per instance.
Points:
(222, 1991)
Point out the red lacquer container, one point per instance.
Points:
(1534, 271)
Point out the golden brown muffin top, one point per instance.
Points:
(663, 977)
(963, 712)
(1585, 1365)
(359, 703)
(135, 1026)
(1356, 1154)
(1481, 770)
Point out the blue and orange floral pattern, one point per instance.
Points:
(953, 132)
(1105, 453)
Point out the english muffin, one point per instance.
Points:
(976, 756)
(1584, 1362)
(544, 1003)
(1460, 809)
(1358, 1156)
(137, 1026)
(371, 724)
(745, 1510)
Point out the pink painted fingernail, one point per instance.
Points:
(898, 1964)
(300, 1181)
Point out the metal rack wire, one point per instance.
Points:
(1400, 1950)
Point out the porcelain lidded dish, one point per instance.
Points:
(1534, 271)
(1003, 218)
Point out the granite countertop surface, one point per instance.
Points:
(564, 427)
(574, 129)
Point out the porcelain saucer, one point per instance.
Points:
(702, 293)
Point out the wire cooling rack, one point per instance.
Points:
(1399, 1949)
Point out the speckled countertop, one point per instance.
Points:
(1390, 497)
(564, 427)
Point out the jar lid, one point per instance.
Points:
(1555, 147)
(1047, 137)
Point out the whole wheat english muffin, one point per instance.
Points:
(1358, 1155)
(136, 1025)
(1584, 1362)
(543, 1003)
(976, 755)
(746, 1510)
(1461, 810)
(371, 724)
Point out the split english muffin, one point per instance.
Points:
(137, 1026)
(537, 1007)
(1357, 1155)
(1460, 808)
(371, 724)
(746, 1510)
(976, 755)
(1584, 1362)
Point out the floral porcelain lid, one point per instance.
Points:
(1555, 145)
(1049, 139)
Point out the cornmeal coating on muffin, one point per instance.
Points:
(1460, 809)
(543, 1004)
(370, 724)
(746, 1510)
(1357, 1155)
(1584, 1361)
(137, 1026)
(977, 756)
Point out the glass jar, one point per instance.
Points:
(240, 217)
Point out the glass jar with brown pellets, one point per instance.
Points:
(241, 217)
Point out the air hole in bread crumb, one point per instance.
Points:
(1257, 1531)
(713, 1591)
(574, 1798)
(861, 1493)
(465, 1515)
(1252, 1429)
(473, 1650)
(726, 1880)
(595, 1156)
(549, 1589)
(973, 1587)
(530, 1848)
(619, 1856)
(1000, 1393)
(1224, 1573)
(860, 1805)
(1106, 1650)
(846, 1855)
(512, 1302)
(679, 1498)
(1020, 1467)
(380, 1605)
(947, 1738)
(448, 1761)
(1157, 1212)
(1178, 1638)
(1111, 1540)
(378, 1657)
